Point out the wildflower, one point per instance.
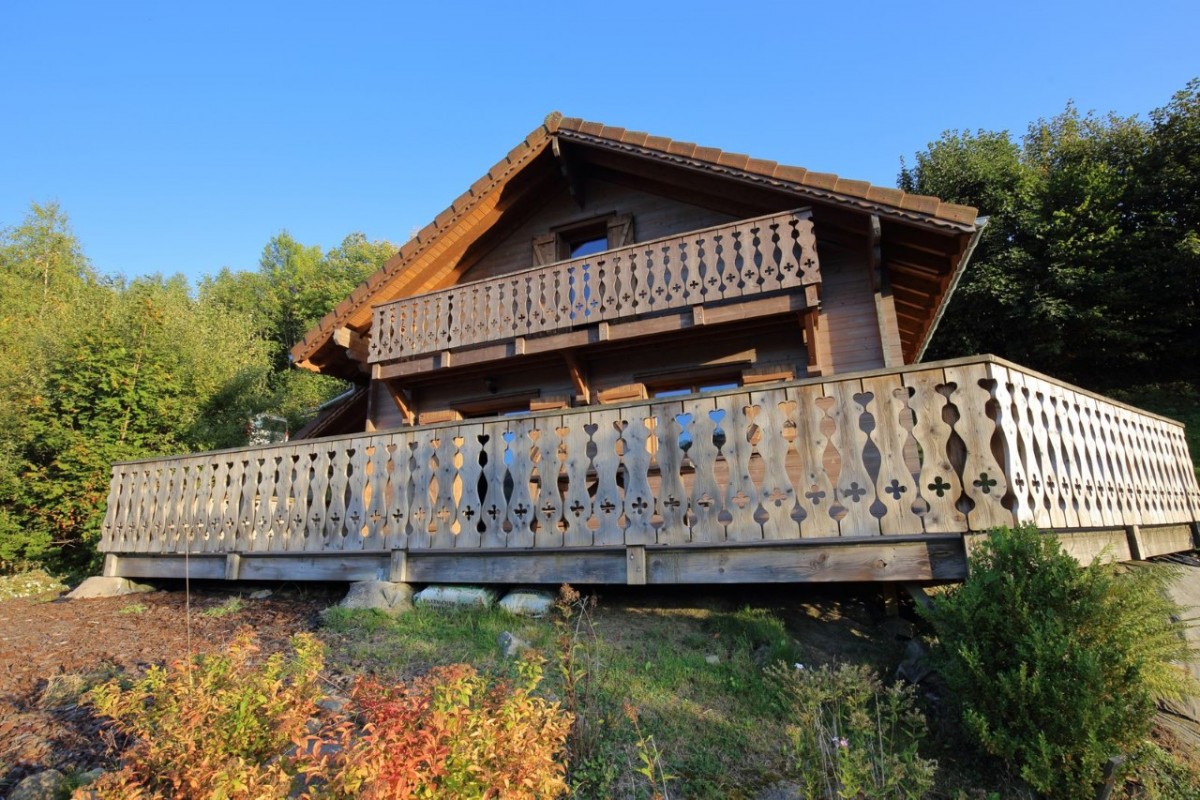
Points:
(798, 665)
(843, 743)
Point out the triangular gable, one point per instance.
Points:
(425, 261)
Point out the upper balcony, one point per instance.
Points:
(756, 259)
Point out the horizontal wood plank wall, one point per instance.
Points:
(848, 310)
(942, 448)
(653, 217)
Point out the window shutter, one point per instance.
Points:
(620, 231)
(545, 249)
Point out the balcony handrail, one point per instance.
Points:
(655, 276)
(931, 449)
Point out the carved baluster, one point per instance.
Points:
(577, 500)
(671, 436)
(521, 512)
(776, 443)
(548, 505)
(742, 515)
(445, 507)
(470, 471)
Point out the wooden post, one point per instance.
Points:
(885, 304)
(233, 566)
(111, 565)
(635, 565)
(814, 341)
(398, 571)
(1133, 533)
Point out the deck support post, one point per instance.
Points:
(398, 569)
(1133, 533)
(233, 566)
(111, 565)
(635, 565)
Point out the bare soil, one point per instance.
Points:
(50, 650)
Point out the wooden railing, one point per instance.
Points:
(752, 257)
(950, 447)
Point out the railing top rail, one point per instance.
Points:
(801, 213)
(837, 378)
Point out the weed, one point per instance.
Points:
(852, 737)
(134, 608)
(231, 606)
(651, 766)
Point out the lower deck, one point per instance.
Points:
(888, 475)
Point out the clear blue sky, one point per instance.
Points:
(179, 137)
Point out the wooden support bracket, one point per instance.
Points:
(814, 342)
(570, 171)
(233, 566)
(635, 565)
(579, 377)
(403, 401)
(885, 304)
(356, 344)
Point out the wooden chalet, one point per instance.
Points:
(619, 358)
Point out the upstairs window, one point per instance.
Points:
(583, 238)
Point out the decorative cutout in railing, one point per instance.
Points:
(953, 447)
(753, 257)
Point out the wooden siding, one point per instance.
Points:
(653, 218)
(954, 447)
(760, 347)
(848, 310)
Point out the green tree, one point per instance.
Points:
(1090, 264)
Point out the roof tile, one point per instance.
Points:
(611, 133)
(792, 174)
(882, 194)
(958, 213)
(733, 160)
(921, 203)
(684, 149)
(591, 128)
(569, 123)
(761, 166)
(635, 138)
(820, 180)
(852, 188)
(657, 143)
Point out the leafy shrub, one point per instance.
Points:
(1056, 666)
(214, 726)
(851, 737)
(447, 735)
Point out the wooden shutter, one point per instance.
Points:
(545, 249)
(620, 231)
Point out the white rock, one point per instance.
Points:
(97, 586)
(528, 602)
(261, 594)
(392, 599)
(455, 597)
(712, 659)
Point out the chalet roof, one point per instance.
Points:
(455, 222)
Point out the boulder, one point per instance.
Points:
(456, 597)
(97, 586)
(528, 602)
(391, 598)
(511, 646)
(48, 785)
